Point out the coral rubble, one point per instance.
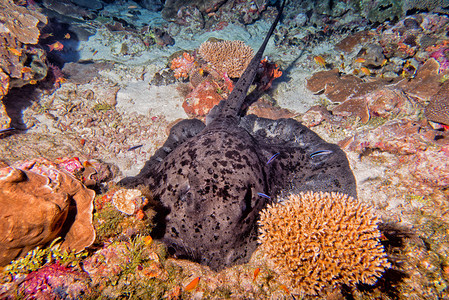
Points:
(317, 241)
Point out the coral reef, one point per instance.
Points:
(210, 74)
(183, 65)
(20, 22)
(20, 62)
(129, 201)
(55, 281)
(226, 57)
(318, 241)
(39, 203)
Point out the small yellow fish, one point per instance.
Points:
(67, 36)
(342, 65)
(14, 51)
(192, 285)
(320, 60)
(45, 35)
(26, 70)
(342, 57)
(95, 52)
(256, 273)
(360, 60)
(365, 71)
(33, 81)
(384, 62)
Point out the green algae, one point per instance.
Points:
(38, 257)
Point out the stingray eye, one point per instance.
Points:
(320, 155)
(184, 193)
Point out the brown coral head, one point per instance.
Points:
(227, 57)
(318, 241)
(32, 213)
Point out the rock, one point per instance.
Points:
(151, 5)
(89, 4)
(172, 7)
(373, 55)
(348, 43)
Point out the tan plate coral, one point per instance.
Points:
(40, 202)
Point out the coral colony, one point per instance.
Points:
(157, 149)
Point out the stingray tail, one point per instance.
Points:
(236, 99)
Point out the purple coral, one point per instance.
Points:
(55, 281)
(442, 56)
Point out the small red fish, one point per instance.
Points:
(192, 285)
(58, 46)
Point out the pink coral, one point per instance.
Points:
(182, 65)
(442, 56)
(55, 281)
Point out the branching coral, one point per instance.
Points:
(317, 241)
(227, 57)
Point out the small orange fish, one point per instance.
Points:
(360, 60)
(58, 46)
(33, 81)
(140, 215)
(14, 51)
(365, 71)
(256, 273)
(355, 71)
(132, 6)
(342, 65)
(148, 240)
(320, 60)
(67, 36)
(192, 285)
(26, 70)
(95, 52)
(384, 62)
(285, 289)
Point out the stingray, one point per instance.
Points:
(214, 179)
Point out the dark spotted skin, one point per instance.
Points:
(208, 178)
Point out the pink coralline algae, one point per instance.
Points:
(55, 281)
(442, 56)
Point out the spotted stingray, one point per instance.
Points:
(214, 179)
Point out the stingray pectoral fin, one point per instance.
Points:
(179, 133)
